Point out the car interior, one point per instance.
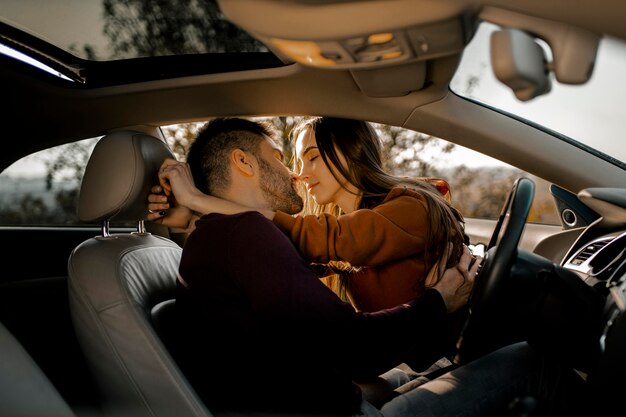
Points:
(120, 316)
(85, 306)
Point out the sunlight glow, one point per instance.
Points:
(5, 50)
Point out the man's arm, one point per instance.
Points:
(282, 288)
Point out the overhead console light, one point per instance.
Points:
(378, 47)
(370, 49)
(383, 64)
(373, 50)
(304, 52)
(380, 38)
(388, 55)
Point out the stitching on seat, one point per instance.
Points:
(155, 344)
(82, 297)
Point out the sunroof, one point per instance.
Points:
(103, 30)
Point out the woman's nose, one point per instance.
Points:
(303, 175)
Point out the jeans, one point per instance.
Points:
(484, 387)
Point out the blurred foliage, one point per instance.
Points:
(140, 28)
(405, 151)
(54, 199)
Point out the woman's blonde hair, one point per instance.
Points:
(358, 143)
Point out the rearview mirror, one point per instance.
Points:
(520, 63)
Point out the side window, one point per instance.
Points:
(42, 188)
(479, 184)
(480, 192)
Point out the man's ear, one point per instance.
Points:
(242, 161)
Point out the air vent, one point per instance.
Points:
(588, 251)
(600, 258)
(604, 264)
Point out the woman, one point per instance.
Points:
(379, 234)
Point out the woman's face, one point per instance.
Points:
(320, 182)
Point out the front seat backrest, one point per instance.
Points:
(25, 391)
(119, 282)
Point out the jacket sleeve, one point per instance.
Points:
(393, 230)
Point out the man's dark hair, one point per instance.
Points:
(208, 154)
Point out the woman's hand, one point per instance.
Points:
(175, 179)
(160, 211)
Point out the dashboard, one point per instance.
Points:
(598, 257)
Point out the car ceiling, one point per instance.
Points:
(42, 111)
(310, 18)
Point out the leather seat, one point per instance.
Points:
(120, 285)
(25, 391)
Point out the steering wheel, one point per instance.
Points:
(495, 269)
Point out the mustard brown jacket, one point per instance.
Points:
(387, 241)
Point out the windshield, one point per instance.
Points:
(591, 114)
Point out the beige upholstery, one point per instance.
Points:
(117, 281)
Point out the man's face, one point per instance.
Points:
(276, 182)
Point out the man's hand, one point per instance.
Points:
(455, 286)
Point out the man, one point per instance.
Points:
(259, 331)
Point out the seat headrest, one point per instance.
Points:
(121, 171)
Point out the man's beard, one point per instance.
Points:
(279, 190)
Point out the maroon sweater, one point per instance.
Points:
(258, 330)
